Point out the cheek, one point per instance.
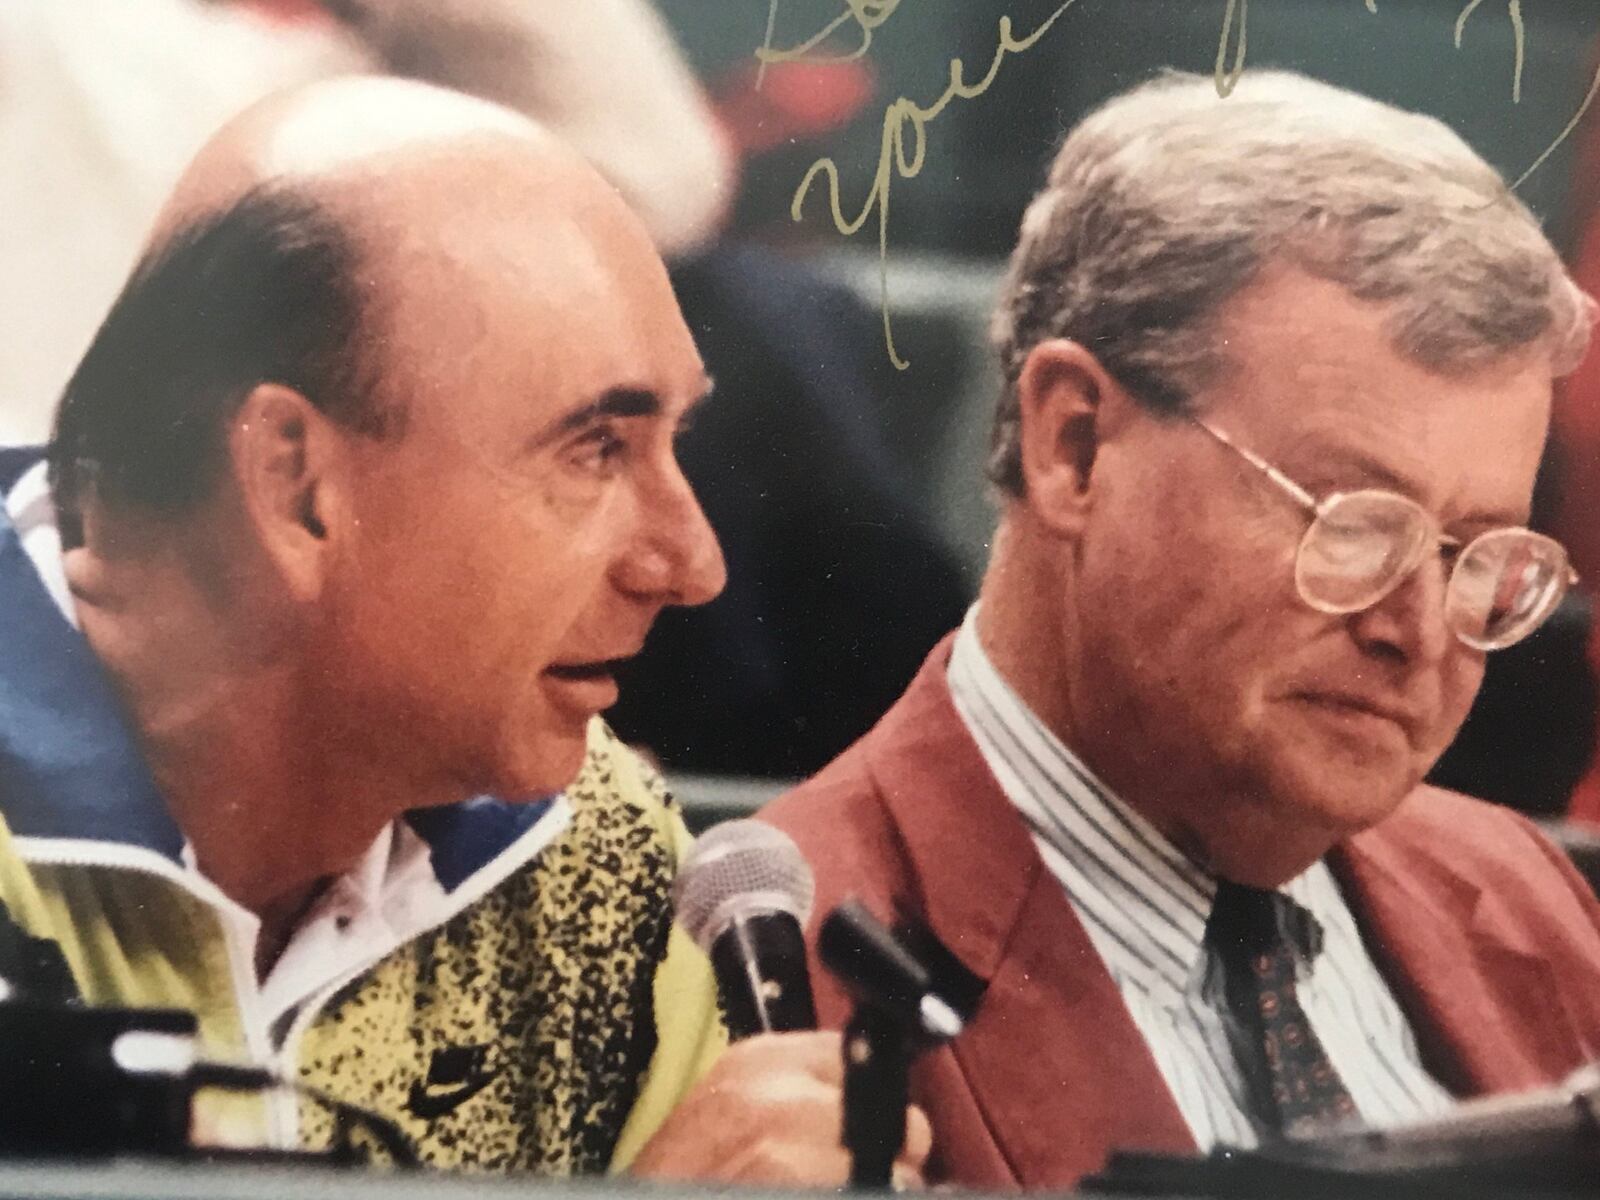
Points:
(1196, 585)
(522, 564)
(1460, 679)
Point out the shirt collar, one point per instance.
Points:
(1161, 899)
(33, 516)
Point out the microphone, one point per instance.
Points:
(744, 895)
(879, 970)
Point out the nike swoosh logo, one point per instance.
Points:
(431, 1103)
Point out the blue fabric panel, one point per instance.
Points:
(468, 836)
(70, 765)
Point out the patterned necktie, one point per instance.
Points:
(1253, 934)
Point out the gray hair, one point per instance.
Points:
(1168, 200)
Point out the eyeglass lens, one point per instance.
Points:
(1504, 586)
(1361, 545)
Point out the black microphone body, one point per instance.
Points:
(744, 895)
(762, 975)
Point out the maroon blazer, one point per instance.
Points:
(1488, 937)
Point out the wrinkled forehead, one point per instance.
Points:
(1312, 381)
(499, 291)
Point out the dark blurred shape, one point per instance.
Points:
(1580, 842)
(837, 587)
(1531, 732)
(1573, 456)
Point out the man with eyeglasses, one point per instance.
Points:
(1277, 376)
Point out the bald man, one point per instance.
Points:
(361, 493)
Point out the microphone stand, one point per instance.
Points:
(877, 1088)
(899, 1012)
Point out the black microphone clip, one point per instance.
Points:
(900, 1010)
(926, 989)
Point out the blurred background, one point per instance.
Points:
(849, 494)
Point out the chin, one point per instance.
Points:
(1348, 771)
(548, 765)
(1343, 797)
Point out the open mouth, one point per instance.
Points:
(585, 672)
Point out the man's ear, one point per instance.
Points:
(286, 457)
(1061, 394)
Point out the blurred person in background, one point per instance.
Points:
(106, 100)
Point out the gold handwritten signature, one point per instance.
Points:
(1236, 32)
(1235, 35)
(904, 114)
(867, 14)
(894, 158)
(1519, 32)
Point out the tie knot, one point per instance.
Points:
(1254, 920)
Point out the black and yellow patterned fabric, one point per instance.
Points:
(517, 1035)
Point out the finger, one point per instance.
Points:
(818, 1053)
(919, 1137)
(904, 1178)
(788, 1100)
(791, 1163)
(728, 1112)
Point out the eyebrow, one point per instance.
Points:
(1371, 472)
(613, 402)
(1361, 470)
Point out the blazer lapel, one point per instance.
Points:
(1053, 1058)
(1463, 971)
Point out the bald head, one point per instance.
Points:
(316, 230)
(354, 133)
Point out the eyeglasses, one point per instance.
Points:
(1362, 545)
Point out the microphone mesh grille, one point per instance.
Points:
(740, 869)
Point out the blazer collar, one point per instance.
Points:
(1052, 1038)
(1482, 999)
(960, 831)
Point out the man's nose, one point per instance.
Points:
(677, 559)
(1409, 623)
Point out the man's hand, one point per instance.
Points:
(770, 1112)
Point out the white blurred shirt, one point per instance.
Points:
(103, 103)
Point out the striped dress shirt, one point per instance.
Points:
(1145, 906)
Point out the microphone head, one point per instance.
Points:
(740, 869)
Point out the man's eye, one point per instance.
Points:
(599, 449)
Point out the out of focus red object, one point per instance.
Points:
(289, 10)
(1575, 434)
(792, 101)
